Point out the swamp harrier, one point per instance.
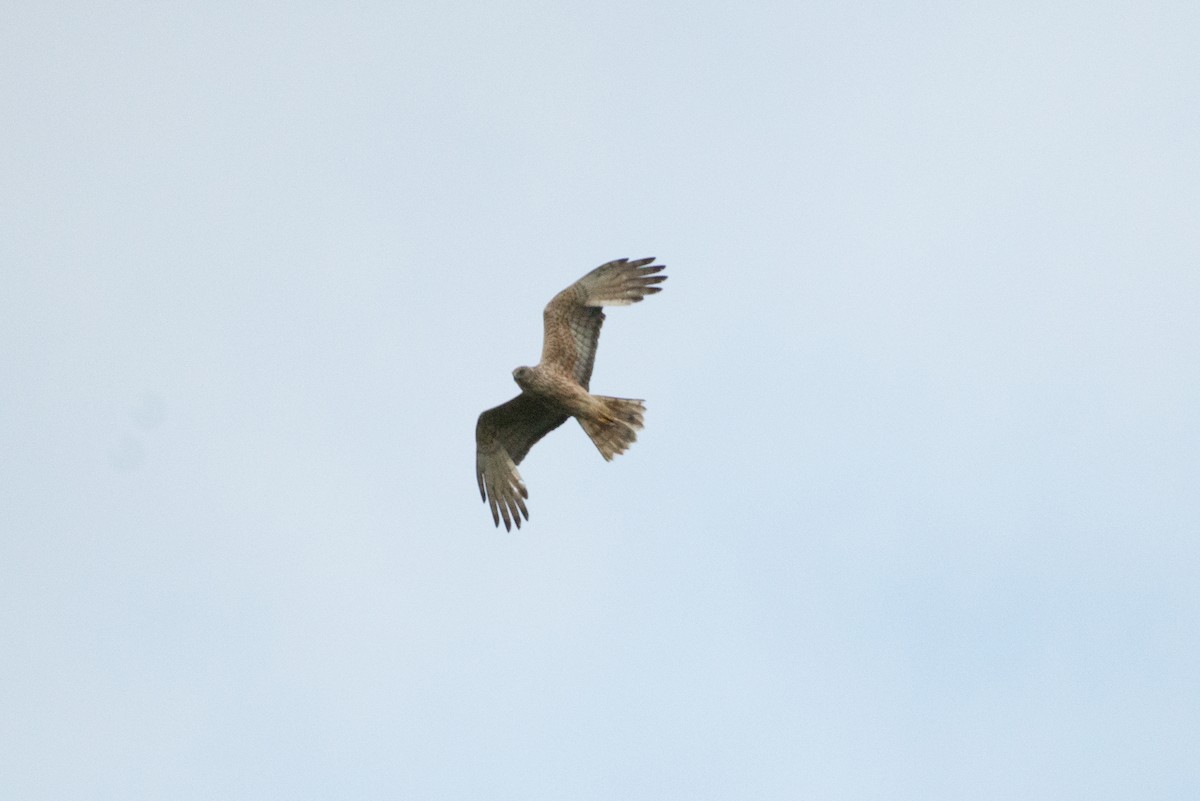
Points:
(557, 387)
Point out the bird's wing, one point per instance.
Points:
(573, 317)
(503, 436)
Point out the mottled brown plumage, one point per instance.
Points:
(557, 387)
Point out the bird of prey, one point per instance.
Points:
(557, 387)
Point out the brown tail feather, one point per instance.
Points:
(614, 425)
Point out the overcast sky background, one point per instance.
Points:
(915, 512)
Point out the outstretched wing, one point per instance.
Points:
(573, 317)
(503, 436)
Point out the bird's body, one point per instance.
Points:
(553, 387)
(557, 387)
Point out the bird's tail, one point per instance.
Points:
(613, 424)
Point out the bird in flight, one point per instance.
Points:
(557, 387)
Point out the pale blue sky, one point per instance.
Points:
(915, 512)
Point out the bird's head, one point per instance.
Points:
(522, 376)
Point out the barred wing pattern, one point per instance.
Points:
(503, 436)
(572, 319)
